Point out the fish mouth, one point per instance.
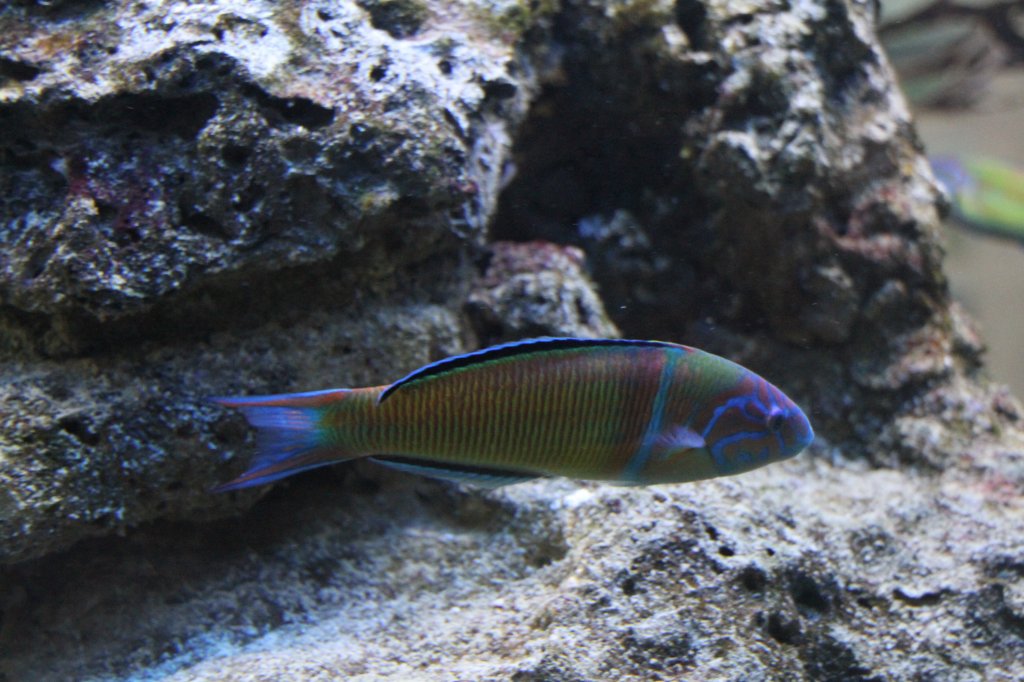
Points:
(803, 434)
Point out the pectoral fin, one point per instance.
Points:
(677, 438)
(658, 447)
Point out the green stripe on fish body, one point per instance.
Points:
(572, 412)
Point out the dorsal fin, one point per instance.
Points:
(507, 350)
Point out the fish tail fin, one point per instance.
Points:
(291, 435)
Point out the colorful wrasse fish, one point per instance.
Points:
(987, 194)
(636, 412)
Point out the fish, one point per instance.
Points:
(631, 412)
(987, 193)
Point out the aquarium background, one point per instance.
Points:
(960, 65)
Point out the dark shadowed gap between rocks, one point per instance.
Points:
(597, 166)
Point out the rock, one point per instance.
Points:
(801, 571)
(215, 199)
(536, 289)
(96, 445)
(752, 185)
(739, 176)
(183, 146)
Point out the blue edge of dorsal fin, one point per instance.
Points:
(513, 348)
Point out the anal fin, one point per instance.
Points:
(485, 477)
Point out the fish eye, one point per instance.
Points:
(775, 422)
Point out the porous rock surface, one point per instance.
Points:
(804, 571)
(208, 199)
(202, 199)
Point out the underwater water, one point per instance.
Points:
(986, 273)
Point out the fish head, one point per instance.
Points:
(742, 423)
(752, 424)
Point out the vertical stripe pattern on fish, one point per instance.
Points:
(637, 412)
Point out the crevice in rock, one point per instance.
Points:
(601, 148)
(691, 15)
(20, 71)
(830, 660)
(294, 110)
(807, 594)
(182, 115)
(399, 18)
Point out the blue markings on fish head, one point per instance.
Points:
(739, 422)
(753, 424)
